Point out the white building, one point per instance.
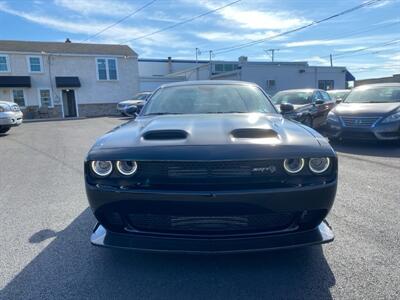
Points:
(52, 79)
(271, 76)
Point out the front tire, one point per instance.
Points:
(4, 129)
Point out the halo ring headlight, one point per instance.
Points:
(102, 168)
(127, 167)
(319, 165)
(293, 165)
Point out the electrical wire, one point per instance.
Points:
(182, 22)
(119, 21)
(313, 23)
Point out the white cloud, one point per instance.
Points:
(97, 7)
(115, 35)
(317, 43)
(315, 60)
(255, 18)
(218, 36)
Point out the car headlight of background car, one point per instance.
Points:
(332, 117)
(392, 118)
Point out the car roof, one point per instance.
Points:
(342, 90)
(387, 84)
(208, 82)
(300, 90)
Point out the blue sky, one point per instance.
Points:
(376, 27)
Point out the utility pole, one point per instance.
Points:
(198, 52)
(330, 56)
(272, 53)
(211, 53)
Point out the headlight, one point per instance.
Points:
(319, 165)
(127, 167)
(293, 165)
(332, 117)
(102, 168)
(392, 118)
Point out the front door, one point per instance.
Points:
(69, 103)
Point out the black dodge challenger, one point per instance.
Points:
(210, 166)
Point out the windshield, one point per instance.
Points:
(295, 98)
(208, 99)
(141, 96)
(338, 94)
(374, 95)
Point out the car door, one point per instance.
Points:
(319, 109)
(329, 103)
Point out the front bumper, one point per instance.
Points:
(319, 235)
(388, 131)
(11, 118)
(308, 206)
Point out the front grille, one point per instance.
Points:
(212, 169)
(211, 224)
(364, 122)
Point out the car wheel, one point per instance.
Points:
(308, 121)
(4, 129)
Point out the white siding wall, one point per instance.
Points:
(91, 91)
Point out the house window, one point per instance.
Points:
(4, 64)
(107, 69)
(271, 84)
(45, 97)
(219, 68)
(35, 64)
(326, 84)
(18, 97)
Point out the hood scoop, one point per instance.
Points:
(254, 133)
(163, 135)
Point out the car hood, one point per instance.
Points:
(214, 132)
(365, 109)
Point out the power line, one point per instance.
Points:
(248, 44)
(119, 21)
(183, 22)
(352, 52)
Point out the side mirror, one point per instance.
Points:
(131, 110)
(286, 108)
(319, 101)
(339, 100)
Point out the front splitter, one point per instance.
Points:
(161, 243)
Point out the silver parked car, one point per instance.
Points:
(139, 100)
(10, 116)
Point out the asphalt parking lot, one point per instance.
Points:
(45, 226)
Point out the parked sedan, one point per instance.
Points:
(370, 112)
(139, 101)
(308, 106)
(338, 95)
(211, 166)
(10, 116)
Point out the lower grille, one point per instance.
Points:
(359, 121)
(211, 224)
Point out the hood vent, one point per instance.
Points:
(254, 133)
(157, 135)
